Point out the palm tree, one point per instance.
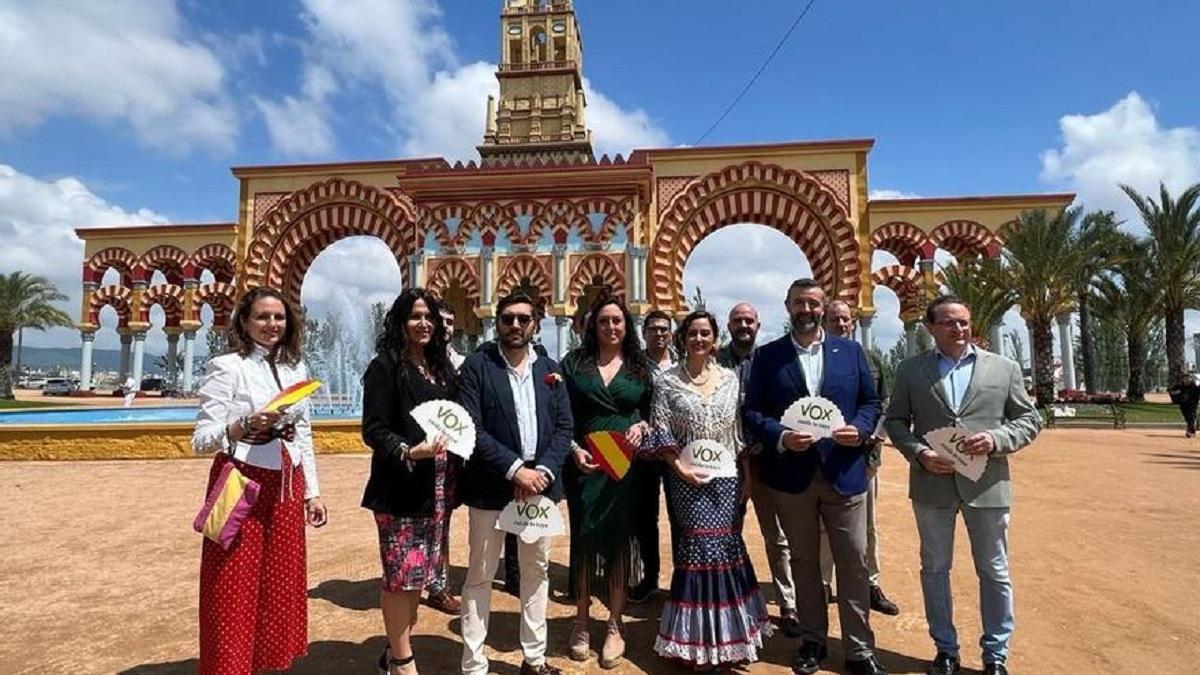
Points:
(1132, 298)
(26, 301)
(1174, 229)
(1101, 240)
(1042, 255)
(984, 284)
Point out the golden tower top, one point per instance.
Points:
(540, 114)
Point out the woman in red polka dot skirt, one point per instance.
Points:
(254, 595)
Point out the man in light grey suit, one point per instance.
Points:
(959, 385)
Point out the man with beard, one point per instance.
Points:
(814, 481)
(738, 356)
(839, 320)
(523, 428)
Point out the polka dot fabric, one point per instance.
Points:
(254, 597)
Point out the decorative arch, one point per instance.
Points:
(454, 270)
(903, 240)
(216, 258)
(167, 296)
(490, 218)
(792, 202)
(309, 220)
(905, 282)
(525, 270)
(121, 259)
(220, 296)
(434, 220)
(560, 217)
(598, 269)
(170, 260)
(966, 239)
(117, 297)
(616, 213)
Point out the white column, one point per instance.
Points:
(189, 356)
(172, 373)
(911, 348)
(866, 338)
(1066, 344)
(563, 324)
(487, 288)
(139, 354)
(560, 273)
(126, 342)
(1196, 346)
(996, 337)
(414, 269)
(489, 328)
(85, 364)
(637, 280)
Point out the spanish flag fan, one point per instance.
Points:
(293, 395)
(611, 451)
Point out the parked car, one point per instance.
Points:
(58, 386)
(34, 383)
(152, 384)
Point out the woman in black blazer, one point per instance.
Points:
(411, 487)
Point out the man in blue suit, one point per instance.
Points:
(523, 431)
(813, 481)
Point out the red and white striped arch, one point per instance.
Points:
(904, 240)
(598, 267)
(519, 269)
(790, 201)
(167, 296)
(117, 297)
(309, 220)
(451, 270)
(966, 239)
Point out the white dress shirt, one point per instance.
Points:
(235, 386)
(525, 404)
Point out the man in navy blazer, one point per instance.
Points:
(813, 480)
(523, 432)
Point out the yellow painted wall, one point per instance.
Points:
(144, 441)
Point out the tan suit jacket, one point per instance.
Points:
(995, 401)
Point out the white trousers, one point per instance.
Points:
(486, 545)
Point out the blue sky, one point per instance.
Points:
(133, 111)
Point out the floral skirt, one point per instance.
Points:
(716, 612)
(415, 549)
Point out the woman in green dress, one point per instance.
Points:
(608, 380)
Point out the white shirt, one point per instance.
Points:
(812, 362)
(525, 404)
(456, 359)
(235, 386)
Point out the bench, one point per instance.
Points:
(1086, 413)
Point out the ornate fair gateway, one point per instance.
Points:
(538, 212)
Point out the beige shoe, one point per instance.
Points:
(614, 646)
(580, 642)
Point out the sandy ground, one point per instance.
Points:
(100, 567)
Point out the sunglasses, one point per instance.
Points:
(521, 320)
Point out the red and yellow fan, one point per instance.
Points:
(293, 395)
(611, 452)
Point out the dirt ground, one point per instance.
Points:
(99, 571)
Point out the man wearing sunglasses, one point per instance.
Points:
(955, 384)
(523, 431)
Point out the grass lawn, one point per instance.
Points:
(5, 404)
(1152, 412)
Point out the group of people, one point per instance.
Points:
(814, 498)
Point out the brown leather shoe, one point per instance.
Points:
(544, 669)
(444, 602)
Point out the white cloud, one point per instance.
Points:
(300, 127)
(891, 194)
(437, 103)
(122, 60)
(38, 216)
(1124, 144)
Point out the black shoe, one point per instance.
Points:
(808, 659)
(867, 666)
(789, 623)
(994, 669)
(944, 664)
(881, 604)
(642, 592)
(512, 587)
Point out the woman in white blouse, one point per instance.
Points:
(253, 596)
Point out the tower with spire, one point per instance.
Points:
(540, 113)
